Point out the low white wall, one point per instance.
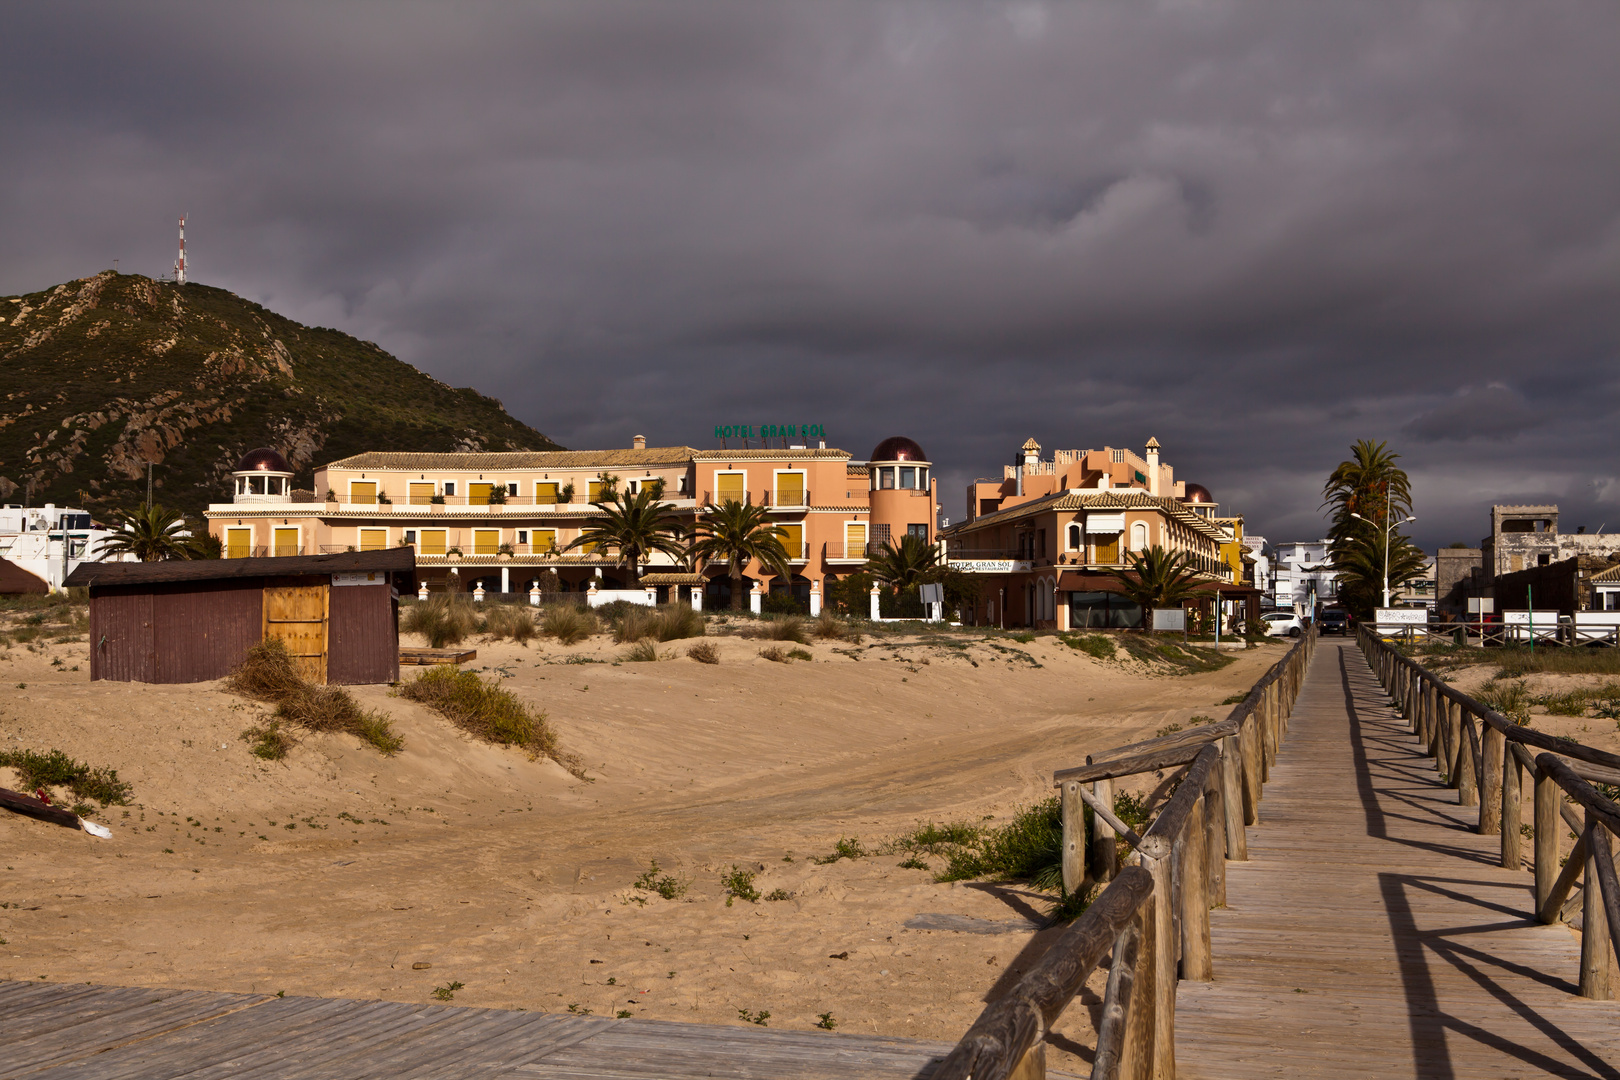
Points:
(644, 597)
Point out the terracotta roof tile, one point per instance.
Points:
(518, 459)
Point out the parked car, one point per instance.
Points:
(1333, 621)
(1281, 624)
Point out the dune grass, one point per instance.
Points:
(508, 621)
(267, 674)
(489, 712)
(444, 619)
(568, 624)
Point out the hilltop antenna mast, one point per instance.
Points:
(180, 263)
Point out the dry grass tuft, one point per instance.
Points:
(267, 674)
(486, 710)
(444, 619)
(568, 624)
(775, 653)
(829, 627)
(508, 621)
(704, 652)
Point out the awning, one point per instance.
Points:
(1105, 523)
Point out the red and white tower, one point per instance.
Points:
(180, 263)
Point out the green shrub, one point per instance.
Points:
(56, 769)
(847, 847)
(800, 654)
(444, 619)
(937, 839)
(1100, 646)
(269, 741)
(1519, 661)
(489, 712)
(782, 603)
(739, 883)
(568, 624)
(669, 888)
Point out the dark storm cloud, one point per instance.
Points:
(1256, 231)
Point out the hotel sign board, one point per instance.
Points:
(1394, 620)
(991, 566)
(770, 431)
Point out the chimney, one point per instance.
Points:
(639, 442)
(1153, 465)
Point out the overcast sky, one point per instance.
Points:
(1256, 231)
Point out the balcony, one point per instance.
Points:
(849, 553)
(261, 551)
(469, 504)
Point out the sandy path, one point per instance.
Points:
(513, 878)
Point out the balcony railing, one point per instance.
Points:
(850, 552)
(414, 504)
(260, 551)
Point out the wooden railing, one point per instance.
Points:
(1486, 763)
(1154, 915)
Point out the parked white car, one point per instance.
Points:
(1282, 624)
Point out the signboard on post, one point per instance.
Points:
(1401, 620)
(1531, 625)
(1481, 605)
(932, 594)
(1170, 619)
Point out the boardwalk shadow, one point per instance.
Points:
(1383, 754)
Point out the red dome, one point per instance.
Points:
(1197, 493)
(263, 459)
(898, 448)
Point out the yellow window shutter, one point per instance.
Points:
(286, 542)
(421, 493)
(545, 493)
(433, 542)
(728, 487)
(238, 543)
(478, 494)
(545, 540)
(790, 489)
(1108, 550)
(363, 491)
(486, 541)
(595, 491)
(373, 539)
(794, 541)
(855, 540)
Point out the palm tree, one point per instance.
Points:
(151, 534)
(905, 564)
(741, 533)
(1158, 578)
(1369, 484)
(635, 525)
(1361, 569)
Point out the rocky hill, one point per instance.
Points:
(102, 375)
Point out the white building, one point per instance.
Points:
(1256, 546)
(31, 538)
(1303, 571)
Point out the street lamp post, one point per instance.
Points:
(1387, 527)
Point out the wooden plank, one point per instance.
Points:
(414, 656)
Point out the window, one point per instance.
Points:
(886, 478)
(421, 492)
(433, 542)
(919, 531)
(1139, 536)
(544, 540)
(449, 487)
(478, 494)
(238, 543)
(855, 540)
(511, 490)
(373, 539)
(408, 537)
(362, 491)
(728, 487)
(790, 489)
(1074, 538)
(1088, 610)
(545, 492)
(908, 477)
(486, 541)
(1107, 549)
(680, 486)
(523, 536)
(286, 541)
(794, 541)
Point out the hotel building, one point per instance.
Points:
(1047, 534)
(501, 520)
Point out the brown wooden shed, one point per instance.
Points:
(184, 621)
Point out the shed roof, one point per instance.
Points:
(172, 570)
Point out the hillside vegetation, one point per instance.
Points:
(101, 375)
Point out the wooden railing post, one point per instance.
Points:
(1494, 746)
(1156, 854)
(1547, 826)
(1104, 852)
(1074, 836)
(1136, 1046)
(1597, 954)
(1467, 773)
(1215, 839)
(1237, 838)
(1512, 811)
(1191, 848)
(1253, 770)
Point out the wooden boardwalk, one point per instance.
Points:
(1372, 933)
(54, 1031)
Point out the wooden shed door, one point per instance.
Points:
(297, 614)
